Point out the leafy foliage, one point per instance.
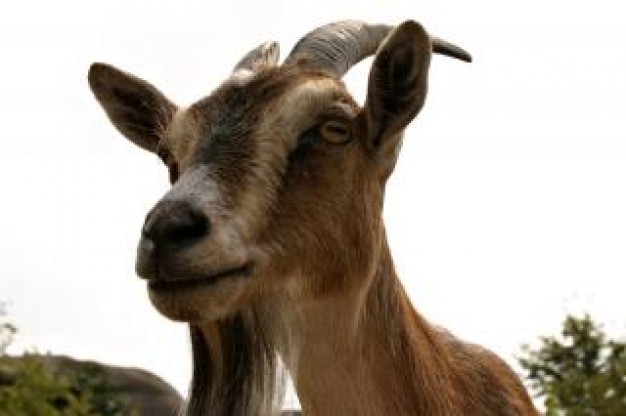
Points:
(104, 399)
(30, 386)
(580, 373)
(28, 389)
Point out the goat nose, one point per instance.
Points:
(172, 222)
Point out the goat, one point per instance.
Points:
(270, 242)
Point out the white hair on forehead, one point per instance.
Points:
(242, 77)
(282, 122)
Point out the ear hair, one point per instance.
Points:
(397, 87)
(137, 109)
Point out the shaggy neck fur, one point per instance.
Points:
(367, 355)
(235, 369)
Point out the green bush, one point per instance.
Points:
(30, 385)
(580, 373)
(29, 390)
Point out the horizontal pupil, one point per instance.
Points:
(335, 132)
(336, 129)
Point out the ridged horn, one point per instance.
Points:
(336, 47)
(266, 54)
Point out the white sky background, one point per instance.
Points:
(507, 209)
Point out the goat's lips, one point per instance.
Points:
(146, 263)
(168, 285)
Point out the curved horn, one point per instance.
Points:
(338, 46)
(442, 47)
(266, 54)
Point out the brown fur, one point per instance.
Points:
(294, 207)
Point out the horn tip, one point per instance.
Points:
(445, 48)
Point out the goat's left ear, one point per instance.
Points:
(397, 88)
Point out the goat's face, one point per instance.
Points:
(277, 177)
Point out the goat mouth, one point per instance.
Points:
(161, 285)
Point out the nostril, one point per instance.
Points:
(175, 222)
(188, 225)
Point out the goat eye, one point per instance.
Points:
(336, 132)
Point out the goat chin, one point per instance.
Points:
(201, 301)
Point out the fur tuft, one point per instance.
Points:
(237, 372)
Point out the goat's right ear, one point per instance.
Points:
(137, 109)
(397, 89)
